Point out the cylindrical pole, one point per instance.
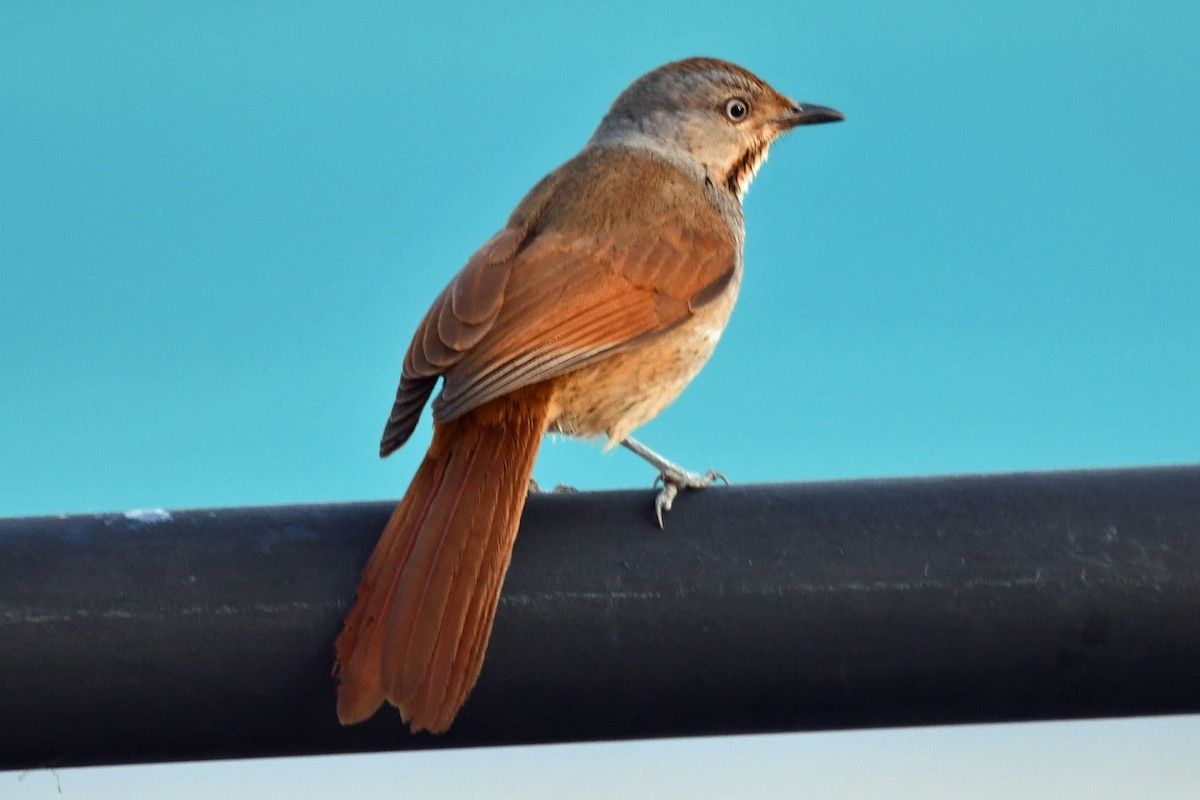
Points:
(153, 636)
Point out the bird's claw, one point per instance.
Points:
(673, 480)
(663, 501)
(691, 480)
(561, 488)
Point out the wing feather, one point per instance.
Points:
(573, 301)
(543, 298)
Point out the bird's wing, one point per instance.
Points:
(525, 309)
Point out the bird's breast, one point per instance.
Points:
(616, 395)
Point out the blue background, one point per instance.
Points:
(221, 222)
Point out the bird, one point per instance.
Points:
(586, 314)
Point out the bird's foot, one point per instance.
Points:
(561, 488)
(672, 477)
(675, 479)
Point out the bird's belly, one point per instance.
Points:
(619, 393)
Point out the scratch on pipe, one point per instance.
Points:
(884, 586)
(148, 516)
(533, 598)
(226, 610)
(36, 617)
(39, 617)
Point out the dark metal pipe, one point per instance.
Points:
(208, 634)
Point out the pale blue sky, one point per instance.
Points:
(220, 224)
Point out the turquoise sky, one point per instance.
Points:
(220, 223)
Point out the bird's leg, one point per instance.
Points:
(672, 476)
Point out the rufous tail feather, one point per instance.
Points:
(417, 631)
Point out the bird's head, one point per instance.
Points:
(716, 115)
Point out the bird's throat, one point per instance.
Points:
(742, 172)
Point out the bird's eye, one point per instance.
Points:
(737, 109)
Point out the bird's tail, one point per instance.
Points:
(418, 629)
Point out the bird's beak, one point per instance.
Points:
(809, 114)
